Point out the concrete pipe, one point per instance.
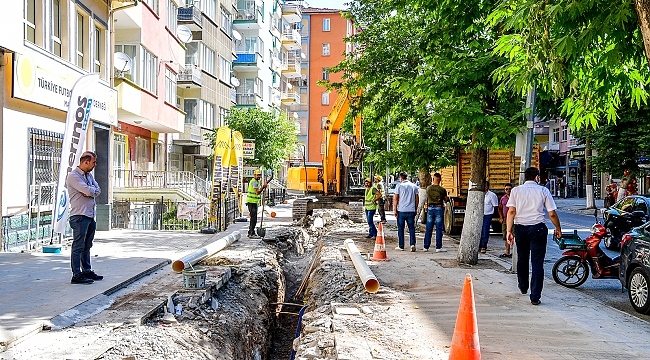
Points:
(367, 277)
(205, 252)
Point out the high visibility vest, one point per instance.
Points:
(253, 197)
(367, 203)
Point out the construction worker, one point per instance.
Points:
(379, 184)
(253, 200)
(370, 206)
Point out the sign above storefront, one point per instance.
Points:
(249, 149)
(577, 154)
(43, 79)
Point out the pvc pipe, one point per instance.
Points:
(369, 280)
(204, 252)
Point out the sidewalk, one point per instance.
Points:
(578, 205)
(36, 287)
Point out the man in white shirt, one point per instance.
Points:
(490, 205)
(526, 219)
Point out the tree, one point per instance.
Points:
(438, 56)
(274, 135)
(588, 54)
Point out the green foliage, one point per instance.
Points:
(587, 54)
(274, 135)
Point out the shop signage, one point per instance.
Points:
(574, 163)
(249, 149)
(577, 154)
(43, 79)
(248, 171)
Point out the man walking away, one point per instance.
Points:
(526, 219)
(436, 197)
(491, 203)
(379, 184)
(406, 200)
(503, 214)
(83, 190)
(370, 206)
(253, 200)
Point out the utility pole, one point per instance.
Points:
(387, 178)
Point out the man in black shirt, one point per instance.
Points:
(436, 196)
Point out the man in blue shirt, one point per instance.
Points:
(406, 199)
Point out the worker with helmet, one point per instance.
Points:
(379, 185)
(253, 200)
(370, 206)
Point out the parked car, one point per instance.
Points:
(634, 272)
(625, 214)
(391, 188)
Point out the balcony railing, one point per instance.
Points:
(245, 59)
(189, 14)
(184, 181)
(191, 73)
(248, 12)
(245, 99)
(291, 35)
(290, 96)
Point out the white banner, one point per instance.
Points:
(74, 141)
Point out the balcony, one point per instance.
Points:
(190, 137)
(191, 17)
(276, 64)
(190, 77)
(291, 39)
(291, 67)
(246, 61)
(290, 97)
(276, 97)
(174, 185)
(292, 12)
(248, 17)
(245, 99)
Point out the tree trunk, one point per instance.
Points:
(589, 181)
(425, 181)
(642, 8)
(471, 234)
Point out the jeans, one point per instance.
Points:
(409, 218)
(435, 215)
(252, 209)
(531, 244)
(83, 233)
(373, 230)
(485, 233)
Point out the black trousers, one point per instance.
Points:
(252, 209)
(380, 208)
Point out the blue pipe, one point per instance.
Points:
(300, 314)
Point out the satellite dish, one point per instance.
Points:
(122, 62)
(184, 34)
(236, 35)
(234, 81)
(303, 56)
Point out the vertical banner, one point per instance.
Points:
(236, 161)
(225, 166)
(222, 145)
(74, 141)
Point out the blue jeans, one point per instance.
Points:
(435, 215)
(531, 244)
(372, 232)
(409, 218)
(485, 233)
(83, 233)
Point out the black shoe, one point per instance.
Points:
(535, 302)
(523, 291)
(91, 275)
(80, 279)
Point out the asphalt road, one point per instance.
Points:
(608, 291)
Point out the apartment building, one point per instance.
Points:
(53, 43)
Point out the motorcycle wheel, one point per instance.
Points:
(608, 239)
(570, 271)
(637, 285)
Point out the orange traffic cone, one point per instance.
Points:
(380, 246)
(464, 344)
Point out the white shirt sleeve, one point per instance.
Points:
(549, 203)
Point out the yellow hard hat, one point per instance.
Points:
(378, 177)
(368, 180)
(257, 172)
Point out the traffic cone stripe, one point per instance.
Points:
(380, 246)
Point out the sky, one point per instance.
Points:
(331, 4)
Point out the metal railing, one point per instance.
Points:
(248, 11)
(245, 99)
(190, 73)
(184, 181)
(190, 13)
(291, 35)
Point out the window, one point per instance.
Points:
(144, 71)
(172, 16)
(326, 24)
(192, 53)
(223, 114)
(326, 74)
(325, 98)
(56, 27)
(253, 44)
(30, 21)
(170, 86)
(259, 87)
(149, 71)
(326, 49)
(99, 49)
(565, 133)
(323, 120)
(226, 22)
(44, 158)
(153, 4)
(191, 111)
(199, 112)
(81, 40)
(132, 52)
(208, 60)
(207, 115)
(158, 156)
(209, 8)
(556, 135)
(224, 70)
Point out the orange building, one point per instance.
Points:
(324, 47)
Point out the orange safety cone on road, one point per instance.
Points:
(464, 344)
(380, 246)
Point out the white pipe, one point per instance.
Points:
(369, 280)
(204, 252)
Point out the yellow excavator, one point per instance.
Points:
(338, 180)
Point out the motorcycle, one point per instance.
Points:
(572, 269)
(618, 224)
